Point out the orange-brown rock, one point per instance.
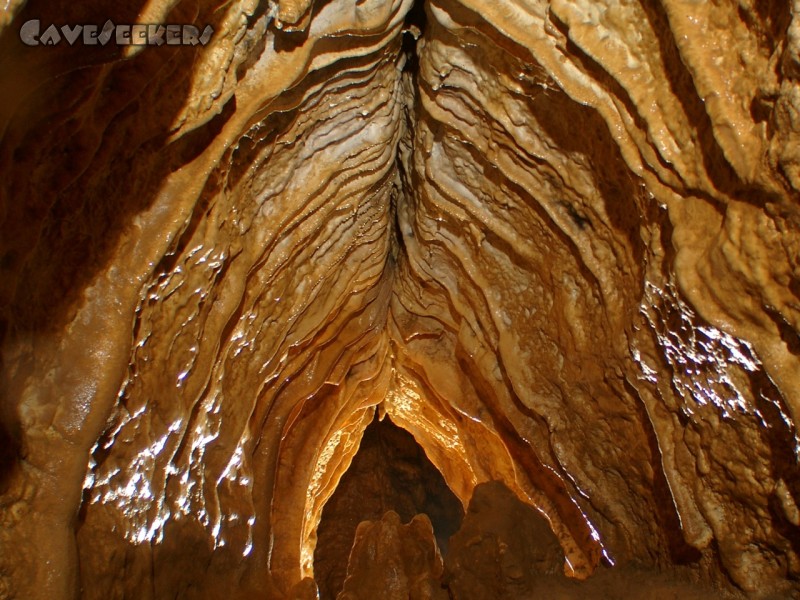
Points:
(394, 561)
(503, 549)
(390, 472)
(556, 241)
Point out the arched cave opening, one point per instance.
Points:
(390, 471)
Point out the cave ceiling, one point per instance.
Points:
(556, 241)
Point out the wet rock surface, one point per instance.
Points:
(557, 241)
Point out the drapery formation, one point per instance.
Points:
(556, 241)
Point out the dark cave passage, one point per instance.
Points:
(389, 472)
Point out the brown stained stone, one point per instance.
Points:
(389, 472)
(556, 241)
(506, 549)
(394, 561)
(503, 546)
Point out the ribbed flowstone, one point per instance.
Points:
(557, 241)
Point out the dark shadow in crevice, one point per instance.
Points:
(390, 471)
(680, 551)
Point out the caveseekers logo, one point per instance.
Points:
(31, 34)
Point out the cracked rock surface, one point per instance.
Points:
(556, 241)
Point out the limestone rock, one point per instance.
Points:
(394, 561)
(503, 549)
(557, 241)
(390, 472)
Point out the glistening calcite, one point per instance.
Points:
(556, 241)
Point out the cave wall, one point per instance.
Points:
(557, 241)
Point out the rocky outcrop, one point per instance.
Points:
(389, 473)
(504, 549)
(394, 561)
(556, 241)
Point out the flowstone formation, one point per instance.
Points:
(555, 241)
